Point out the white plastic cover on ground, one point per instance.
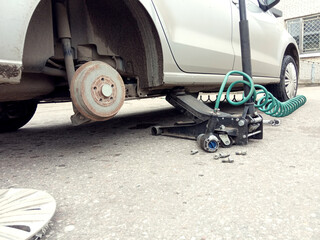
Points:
(24, 213)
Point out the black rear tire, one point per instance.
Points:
(287, 88)
(14, 115)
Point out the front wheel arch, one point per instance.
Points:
(288, 85)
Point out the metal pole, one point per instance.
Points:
(313, 72)
(245, 49)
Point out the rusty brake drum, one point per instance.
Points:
(97, 91)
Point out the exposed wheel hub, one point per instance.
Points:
(104, 91)
(97, 91)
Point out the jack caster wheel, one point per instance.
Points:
(97, 91)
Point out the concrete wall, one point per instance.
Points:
(309, 72)
(312, 59)
(298, 8)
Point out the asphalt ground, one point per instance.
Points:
(114, 180)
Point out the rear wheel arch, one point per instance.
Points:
(151, 41)
(127, 29)
(90, 21)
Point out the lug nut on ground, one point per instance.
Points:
(229, 160)
(218, 156)
(242, 153)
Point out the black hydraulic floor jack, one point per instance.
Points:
(213, 128)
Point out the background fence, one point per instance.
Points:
(306, 31)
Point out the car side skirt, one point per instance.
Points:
(186, 79)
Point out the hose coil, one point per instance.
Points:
(264, 100)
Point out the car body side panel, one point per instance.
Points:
(267, 38)
(173, 76)
(15, 16)
(199, 34)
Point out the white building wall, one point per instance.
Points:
(298, 8)
(309, 72)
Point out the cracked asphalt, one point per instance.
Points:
(114, 180)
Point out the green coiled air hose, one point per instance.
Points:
(267, 103)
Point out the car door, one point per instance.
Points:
(265, 40)
(199, 33)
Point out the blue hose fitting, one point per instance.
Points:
(208, 142)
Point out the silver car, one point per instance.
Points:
(97, 53)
